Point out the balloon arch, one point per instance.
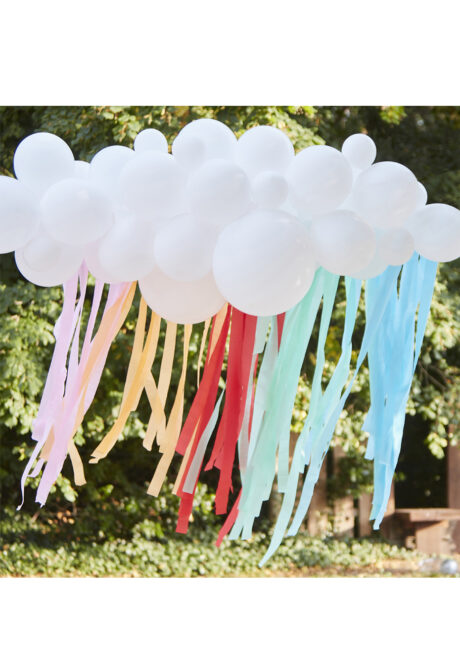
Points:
(252, 239)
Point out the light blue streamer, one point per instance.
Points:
(392, 362)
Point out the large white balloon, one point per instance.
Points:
(150, 139)
(269, 189)
(436, 231)
(422, 196)
(106, 168)
(184, 247)
(376, 266)
(219, 190)
(82, 169)
(343, 243)
(47, 263)
(202, 140)
(152, 186)
(19, 216)
(320, 179)
(75, 212)
(396, 246)
(360, 150)
(385, 194)
(41, 160)
(263, 262)
(181, 302)
(264, 148)
(126, 253)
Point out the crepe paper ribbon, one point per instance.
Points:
(76, 400)
(130, 403)
(207, 323)
(392, 359)
(322, 437)
(54, 385)
(280, 402)
(320, 404)
(242, 338)
(169, 440)
(201, 412)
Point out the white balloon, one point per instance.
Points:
(343, 243)
(126, 253)
(91, 256)
(264, 148)
(219, 190)
(269, 189)
(360, 150)
(385, 194)
(320, 179)
(218, 141)
(422, 196)
(189, 152)
(263, 262)
(47, 263)
(82, 170)
(376, 266)
(106, 168)
(152, 185)
(184, 247)
(396, 246)
(150, 139)
(41, 160)
(19, 216)
(75, 212)
(181, 302)
(436, 231)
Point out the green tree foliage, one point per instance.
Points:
(426, 139)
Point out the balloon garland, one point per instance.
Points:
(251, 239)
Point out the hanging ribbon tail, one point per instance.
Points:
(400, 335)
(85, 377)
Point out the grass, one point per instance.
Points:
(34, 548)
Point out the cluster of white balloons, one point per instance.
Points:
(219, 219)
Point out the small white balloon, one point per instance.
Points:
(219, 190)
(218, 141)
(375, 267)
(264, 148)
(263, 262)
(184, 247)
(320, 179)
(82, 170)
(343, 243)
(360, 150)
(75, 212)
(152, 186)
(269, 189)
(422, 196)
(41, 160)
(385, 194)
(179, 301)
(436, 231)
(150, 139)
(47, 263)
(107, 166)
(91, 256)
(396, 246)
(126, 253)
(19, 216)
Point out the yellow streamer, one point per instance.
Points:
(134, 392)
(157, 396)
(169, 441)
(77, 465)
(137, 347)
